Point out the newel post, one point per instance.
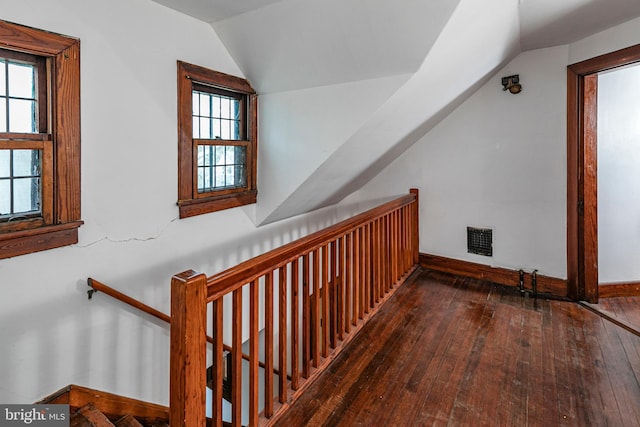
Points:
(415, 229)
(187, 378)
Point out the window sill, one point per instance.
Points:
(195, 207)
(38, 239)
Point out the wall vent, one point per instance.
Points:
(480, 241)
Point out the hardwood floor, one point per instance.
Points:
(624, 309)
(454, 351)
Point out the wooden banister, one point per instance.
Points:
(97, 286)
(101, 287)
(234, 277)
(302, 302)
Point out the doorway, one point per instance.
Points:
(582, 179)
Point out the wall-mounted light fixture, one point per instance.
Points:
(512, 84)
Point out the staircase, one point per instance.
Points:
(93, 408)
(90, 416)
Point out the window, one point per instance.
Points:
(39, 140)
(217, 138)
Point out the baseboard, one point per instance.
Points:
(611, 290)
(504, 276)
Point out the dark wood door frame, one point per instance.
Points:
(582, 179)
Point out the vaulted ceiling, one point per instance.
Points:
(424, 58)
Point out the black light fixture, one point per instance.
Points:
(512, 84)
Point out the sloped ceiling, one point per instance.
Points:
(546, 23)
(446, 48)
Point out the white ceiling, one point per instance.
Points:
(291, 44)
(545, 23)
(215, 10)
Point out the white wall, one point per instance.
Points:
(499, 161)
(300, 129)
(619, 175)
(50, 335)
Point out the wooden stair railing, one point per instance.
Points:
(97, 286)
(309, 298)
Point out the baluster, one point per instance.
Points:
(392, 250)
(282, 335)
(348, 287)
(398, 254)
(399, 269)
(377, 261)
(387, 253)
(407, 239)
(218, 362)
(254, 338)
(415, 208)
(340, 288)
(368, 262)
(333, 295)
(357, 278)
(315, 309)
(236, 361)
(364, 277)
(295, 371)
(326, 320)
(268, 345)
(306, 319)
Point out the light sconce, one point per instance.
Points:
(512, 84)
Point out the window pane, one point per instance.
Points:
(3, 78)
(221, 166)
(216, 129)
(220, 154)
(225, 107)
(205, 128)
(235, 109)
(3, 114)
(5, 197)
(204, 155)
(215, 108)
(22, 115)
(230, 155)
(195, 99)
(235, 131)
(26, 195)
(21, 81)
(200, 179)
(5, 158)
(200, 155)
(241, 176)
(205, 104)
(196, 127)
(225, 131)
(26, 163)
(220, 182)
(207, 184)
(230, 176)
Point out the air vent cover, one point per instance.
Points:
(480, 241)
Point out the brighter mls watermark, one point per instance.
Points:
(34, 415)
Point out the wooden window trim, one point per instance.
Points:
(60, 222)
(191, 203)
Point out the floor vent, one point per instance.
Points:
(480, 241)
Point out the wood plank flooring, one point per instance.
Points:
(453, 351)
(625, 309)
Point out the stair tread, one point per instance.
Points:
(128, 421)
(89, 416)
